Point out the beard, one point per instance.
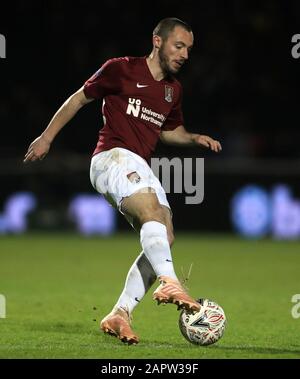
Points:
(164, 62)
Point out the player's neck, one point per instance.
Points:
(154, 67)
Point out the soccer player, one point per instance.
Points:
(141, 103)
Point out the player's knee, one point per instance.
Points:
(155, 213)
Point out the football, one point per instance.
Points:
(204, 327)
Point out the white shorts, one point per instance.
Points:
(119, 173)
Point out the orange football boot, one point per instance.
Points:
(171, 291)
(117, 323)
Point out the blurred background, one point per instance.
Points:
(241, 86)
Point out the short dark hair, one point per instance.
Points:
(167, 25)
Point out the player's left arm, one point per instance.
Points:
(180, 136)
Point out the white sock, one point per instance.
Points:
(154, 240)
(139, 279)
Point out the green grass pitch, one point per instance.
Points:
(58, 287)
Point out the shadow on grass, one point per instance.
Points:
(63, 327)
(295, 349)
(257, 349)
(216, 348)
(92, 329)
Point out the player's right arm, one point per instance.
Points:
(41, 145)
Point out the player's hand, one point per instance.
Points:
(38, 149)
(208, 142)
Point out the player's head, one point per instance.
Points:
(173, 40)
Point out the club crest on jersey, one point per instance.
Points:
(169, 94)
